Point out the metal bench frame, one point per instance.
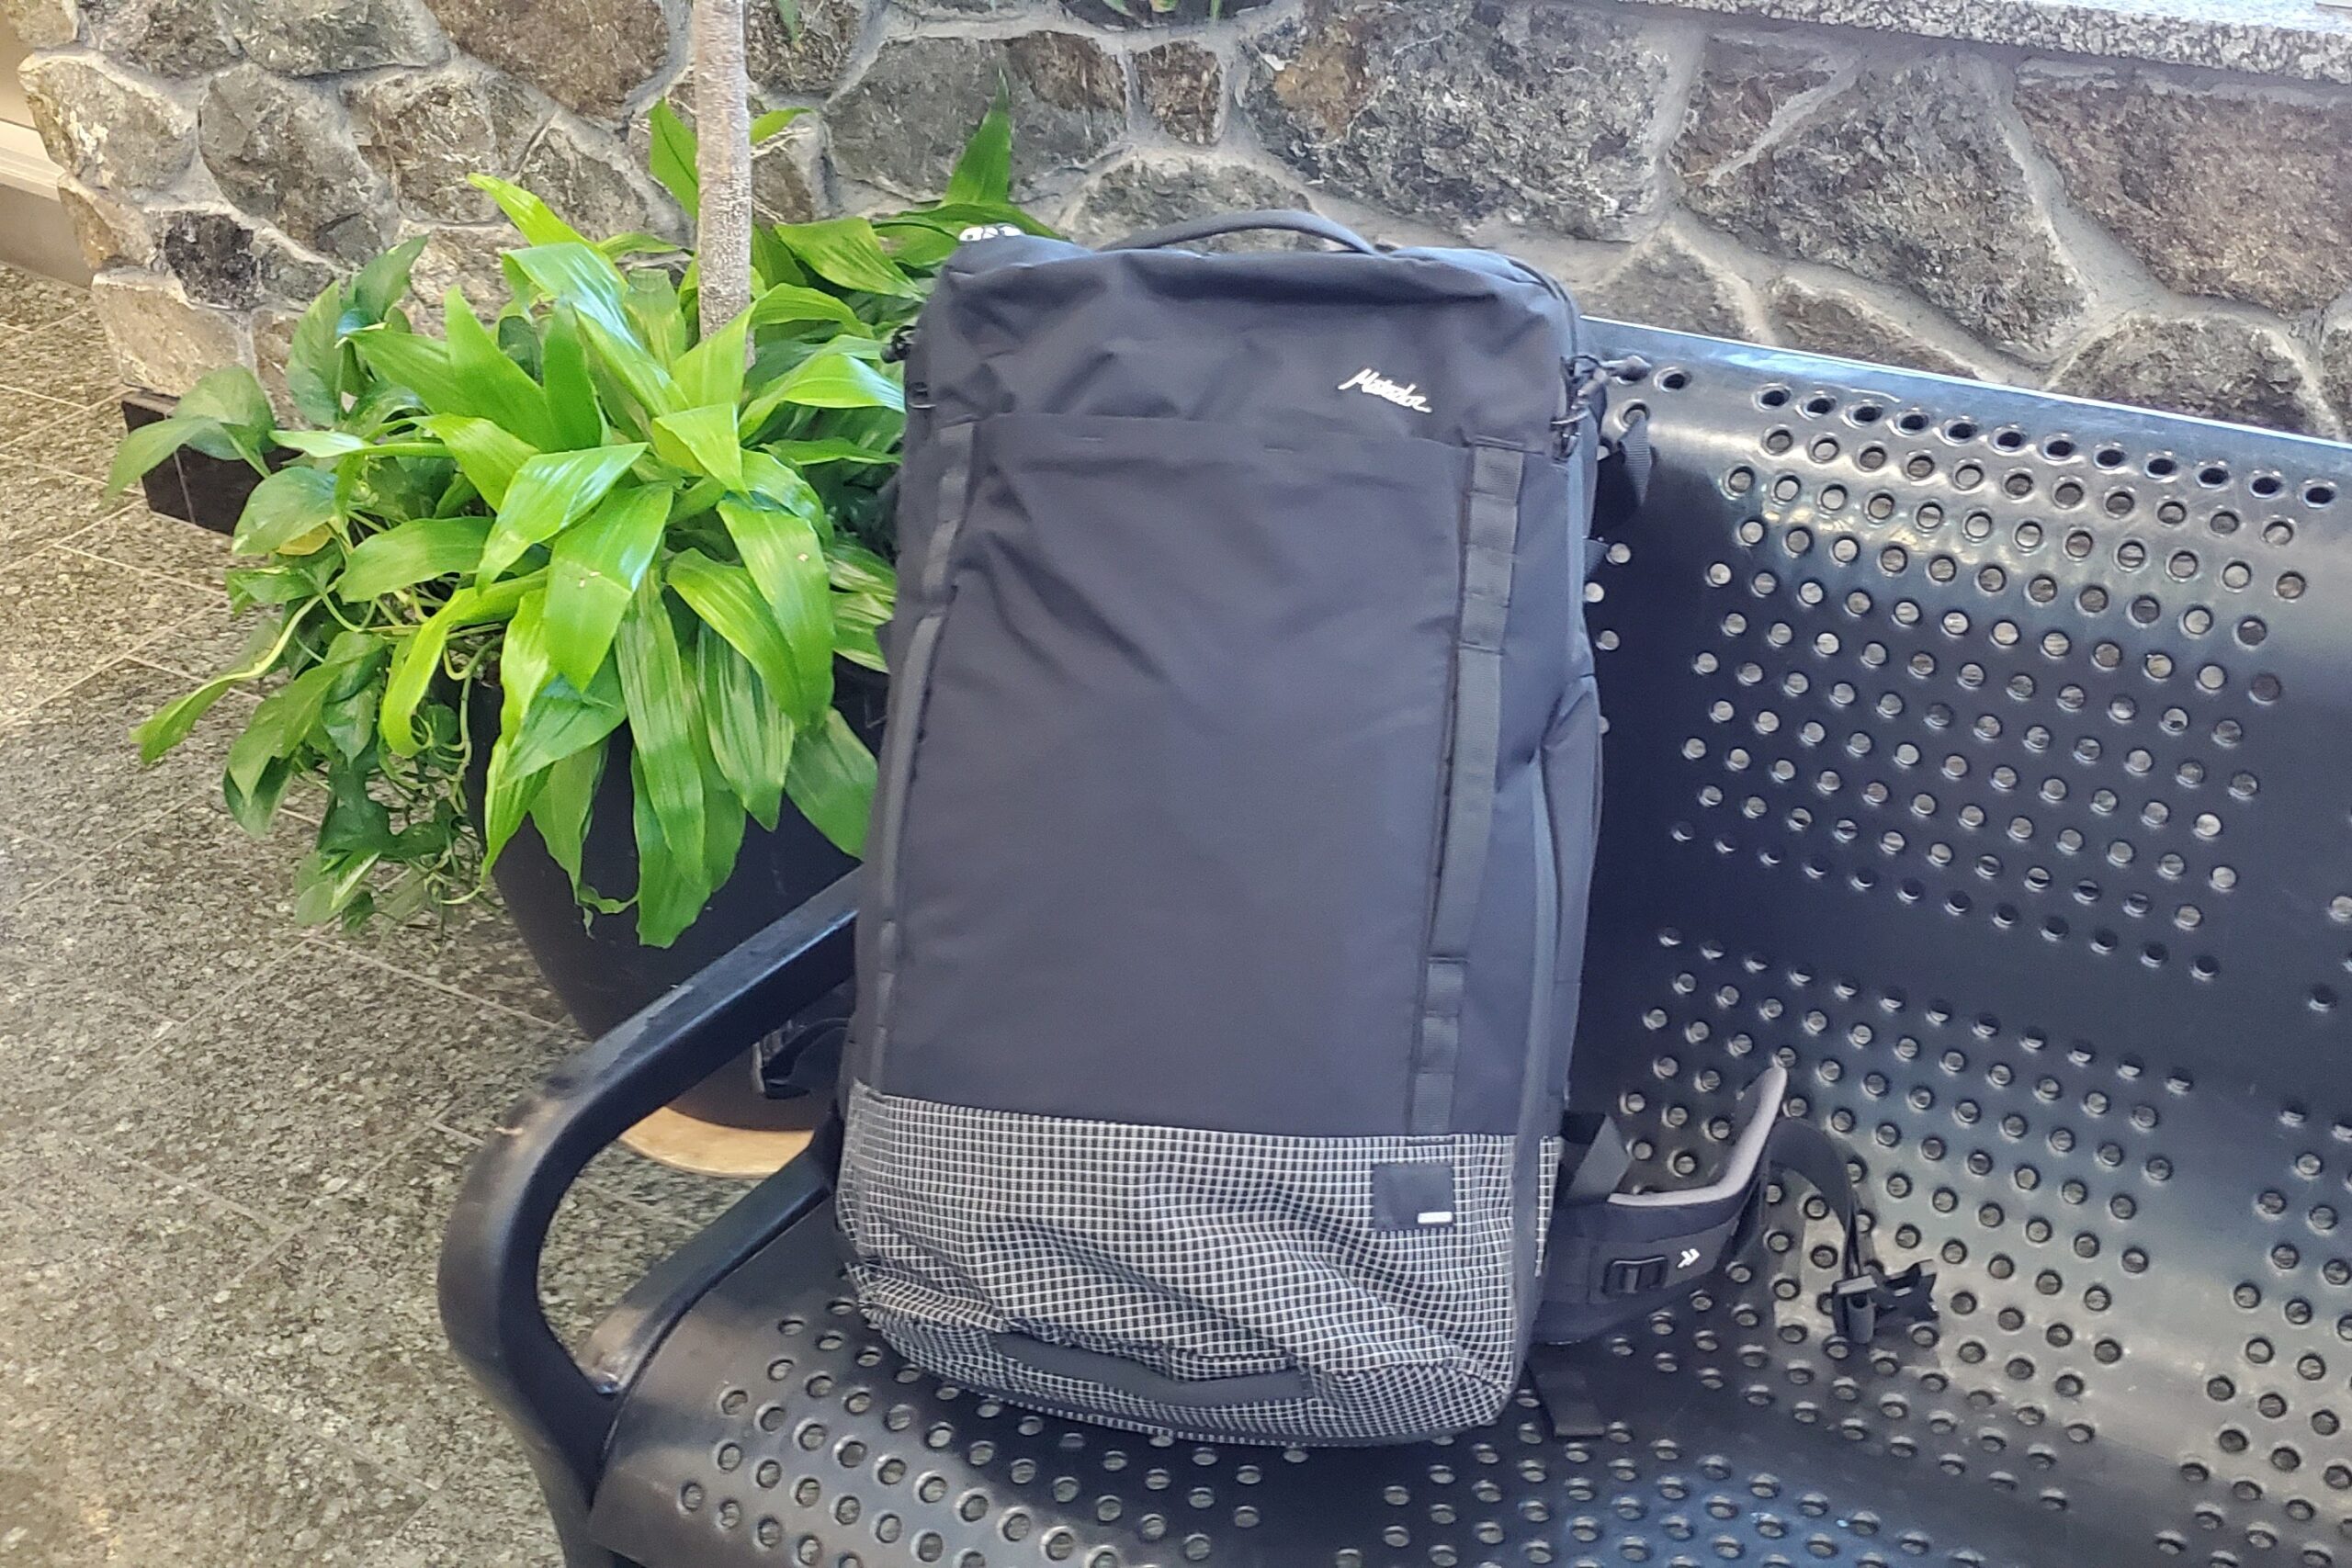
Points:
(1983, 756)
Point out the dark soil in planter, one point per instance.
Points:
(604, 976)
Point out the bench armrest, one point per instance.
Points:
(489, 1257)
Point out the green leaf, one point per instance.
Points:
(254, 807)
(832, 450)
(703, 440)
(232, 395)
(487, 454)
(846, 251)
(661, 723)
(670, 159)
(724, 598)
(778, 485)
(829, 380)
(495, 387)
(831, 782)
(419, 658)
(570, 390)
(150, 445)
(321, 442)
(549, 493)
(788, 302)
(170, 724)
(356, 822)
(639, 374)
(560, 810)
(413, 553)
(788, 13)
(784, 561)
(637, 242)
(564, 717)
(315, 355)
(325, 884)
(670, 883)
(712, 371)
(984, 170)
(723, 820)
(282, 508)
(768, 125)
(579, 276)
(656, 307)
(538, 222)
(379, 285)
(420, 365)
(750, 734)
(280, 724)
(507, 791)
(596, 565)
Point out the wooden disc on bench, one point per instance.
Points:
(705, 1148)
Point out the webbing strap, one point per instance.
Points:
(1616, 1256)
(1489, 548)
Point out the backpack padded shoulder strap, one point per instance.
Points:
(1612, 1256)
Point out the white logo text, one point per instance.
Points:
(1370, 380)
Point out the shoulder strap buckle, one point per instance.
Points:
(1862, 1304)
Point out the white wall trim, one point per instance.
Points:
(24, 165)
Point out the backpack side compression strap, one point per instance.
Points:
(1613, 1256)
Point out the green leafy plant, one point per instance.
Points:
(579, 523)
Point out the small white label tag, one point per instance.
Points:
(1690, 1256)
(1434, 1217)
(1405, 395)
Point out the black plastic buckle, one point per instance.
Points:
(1633, 1276)
(1859, 1305)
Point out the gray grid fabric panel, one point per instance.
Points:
(1198, 1254)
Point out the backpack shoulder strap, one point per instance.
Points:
(1612, 1256)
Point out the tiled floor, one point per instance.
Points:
(227, 1143)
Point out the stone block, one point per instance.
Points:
(224, 260)
(317, 38)
(1441, 110)
(1904, 176)
(2215, 367)
(1667, 282)
(104, 127)
(283, 152)
(2238, 193)
(588, 55)
(1182, 88)
(901, 125)
(1840, 321)
(427, 132)
(163, 342)
(1149, 191)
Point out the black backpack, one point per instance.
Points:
(1224, 907)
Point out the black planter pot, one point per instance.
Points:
(603, 974)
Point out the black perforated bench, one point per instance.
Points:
(1983, 756)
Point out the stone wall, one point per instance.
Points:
(2099, 225)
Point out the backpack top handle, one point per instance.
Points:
(1235, 222)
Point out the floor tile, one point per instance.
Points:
(68, 359)
(338, 1330)
(331, 1062)
(69, 773)
(63, 615)
(506, 1528)
(100, 1260)
(135, 537)
(471, 948)
(73, 440)
(182, 911)
(144, 1467)
(31, 301)
(45, 506)
(680, 1195)
(50, 1054)
(27, 863)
